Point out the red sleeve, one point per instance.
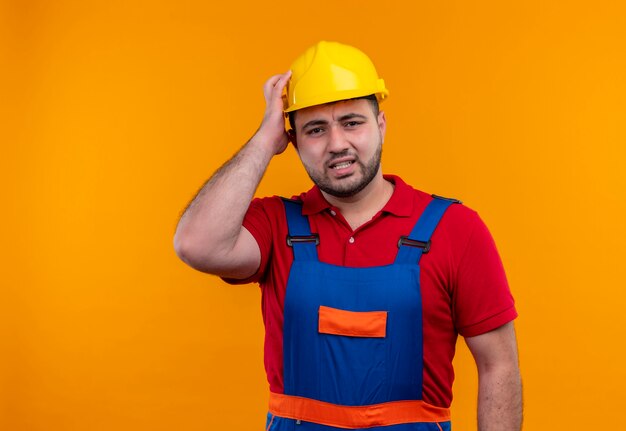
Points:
(482, 299)
(257, 221)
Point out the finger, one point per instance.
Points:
(270, 84)
(273, 87)
(281, 88)
(284, 79)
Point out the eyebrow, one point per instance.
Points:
(345, 117)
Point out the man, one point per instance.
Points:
(365, 281)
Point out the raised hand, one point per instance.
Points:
(272, 131)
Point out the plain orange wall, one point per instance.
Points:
(113, 113)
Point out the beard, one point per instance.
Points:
(348, 187)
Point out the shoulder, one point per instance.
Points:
(457, 216)
(269, 211)
(457, 226)
(460, 227)
(460, 217)
(269, 204)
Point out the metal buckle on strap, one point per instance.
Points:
(405, 240)
(303, 238)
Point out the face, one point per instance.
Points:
(340, 145)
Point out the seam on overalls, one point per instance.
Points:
(439, 426)
(270, 424)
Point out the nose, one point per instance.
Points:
(337, 140)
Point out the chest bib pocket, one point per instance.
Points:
(353, 344)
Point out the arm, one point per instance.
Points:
(500, 386)
(210, 236)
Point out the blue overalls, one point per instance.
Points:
(352, 338)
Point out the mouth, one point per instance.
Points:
(341, 165)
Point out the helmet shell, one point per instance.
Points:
(329, 72)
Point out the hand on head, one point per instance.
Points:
(273, 126)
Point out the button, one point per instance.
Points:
(351, 240)
(333, 213)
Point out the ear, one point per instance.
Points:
(292, 138)
(382, 124)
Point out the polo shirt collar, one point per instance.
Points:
(400, 204)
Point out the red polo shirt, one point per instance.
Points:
(463, 284)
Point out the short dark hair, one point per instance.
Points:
(371, 98)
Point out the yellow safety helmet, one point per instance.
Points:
(329, 72)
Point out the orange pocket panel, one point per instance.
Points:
(352, 323)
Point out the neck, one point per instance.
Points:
(361, 207)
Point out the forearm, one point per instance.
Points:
(210, 236)
(212, 222)
(500, 399)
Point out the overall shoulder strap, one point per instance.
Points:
(300, 238)
(412, 247)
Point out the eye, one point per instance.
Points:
(314, 131)
(353, 123)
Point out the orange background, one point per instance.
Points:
(113, 113)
